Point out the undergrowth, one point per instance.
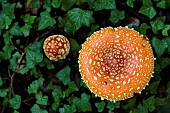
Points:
(30, 82)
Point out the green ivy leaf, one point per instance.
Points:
(83, 104)
(36, 109)
(130, 3)
(7, 22)
(156, 25)
(48, 63)
(42, 100)
(157, 67)
(25, 30)
(7, 15)
(57, 93)
(3, 92)
(8, 10)
(147, 9)
(2, 56)
(160, 101)
(69, 26)
(6, 37)
(47, 6)
(34, 3)
(7, 51)
(33, 71)
(142, 109)
(67, 109)
(2, 25)
(5, 101)
(36, 46)
(46, 21)
(64, 75)
(74, 45)
(55, 105)
(80, 17)
(131, 103)
(56, 3)
(15, 102)
(153, 87)
(164, 62)
(134, 111)
(13, 60)
(29, 19)
(83, 84)
(15, 30)
(165, 30)
(159, 46)
(143, 28)
(71, 88)
(112, 105)
(100, 106)
(75, 19)
(149, 103)
(50, 86)
(23, 69)
(33, 88)
(116, 15)
(103, 4)
(77, 103)
(18, 5)
(15, 111)
(32, 58)
(161, 4)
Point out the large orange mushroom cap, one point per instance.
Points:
(116, 63)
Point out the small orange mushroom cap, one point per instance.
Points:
(116, 63)
(56, 47)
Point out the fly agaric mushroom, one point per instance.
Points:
(56, 47)
(116, 63)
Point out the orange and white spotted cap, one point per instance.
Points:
(115, 63)
(56, 47)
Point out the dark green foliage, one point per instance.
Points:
(102, 4)
(116, 15)
(15, 102)
(112, 105)
(74, 19)
(83, 103)
(30, 82)
(36, 109)
(100, 106)
(46, 21)
(148, 9)
(64, 75)
(159, 46)
(149, 103)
